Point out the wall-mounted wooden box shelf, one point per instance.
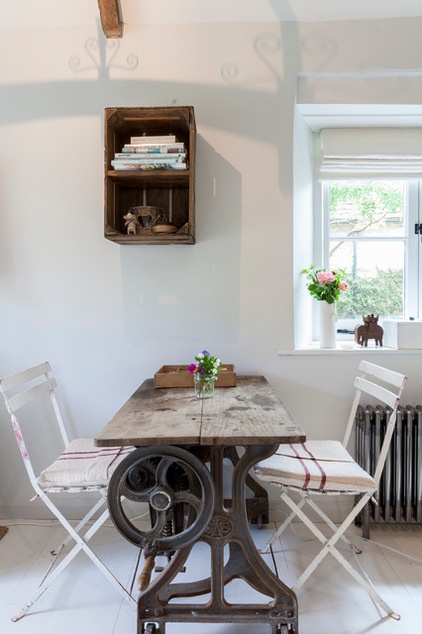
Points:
(173, 191)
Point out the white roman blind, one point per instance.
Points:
(353, 153)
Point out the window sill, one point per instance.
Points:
(345, 347)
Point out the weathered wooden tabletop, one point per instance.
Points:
(248, 414)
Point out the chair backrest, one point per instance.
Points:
(22, 389)
(386, 387)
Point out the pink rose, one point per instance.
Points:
(343, 286)
(325, 277)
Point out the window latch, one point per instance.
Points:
(418, 229)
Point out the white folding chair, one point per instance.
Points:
(81, 468)
(325, 467)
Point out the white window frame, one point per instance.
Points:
(413, 243)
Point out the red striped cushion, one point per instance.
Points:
(302, 467)
(83, 464)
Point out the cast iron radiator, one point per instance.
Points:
(399, 497)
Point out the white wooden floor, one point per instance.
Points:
(331, 602)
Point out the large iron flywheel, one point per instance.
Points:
(161, 495)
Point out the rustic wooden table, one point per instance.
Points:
(180, 471)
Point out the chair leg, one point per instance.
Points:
(306, 499)
(81, 544)
(368, 587)
(328, 543)
(81, 524)
(282, 528)
(331, 524)
(329, 548)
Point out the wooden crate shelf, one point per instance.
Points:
(171, 190)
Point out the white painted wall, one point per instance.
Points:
(94, 308)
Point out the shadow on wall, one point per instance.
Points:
(229, 106)
(196, 293)
(200, 291)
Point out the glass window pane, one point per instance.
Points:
(361, 209)
(374, 271)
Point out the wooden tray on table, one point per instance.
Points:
(179, 376)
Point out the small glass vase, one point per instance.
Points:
(203, 386)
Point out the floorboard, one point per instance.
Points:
(330, 602)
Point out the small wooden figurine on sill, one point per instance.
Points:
(369, 330)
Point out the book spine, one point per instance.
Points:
(162, 138)
(153, 156)
(146, 160)
(159, 148)
(120, 167)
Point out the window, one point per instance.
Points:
(369, 231)
(369, 219)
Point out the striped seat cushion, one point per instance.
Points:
(324, 466)
(82, 464)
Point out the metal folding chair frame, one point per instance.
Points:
(18, 391)
(391, 398)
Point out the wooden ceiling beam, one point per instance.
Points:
(111, 18)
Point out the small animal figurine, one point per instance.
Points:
(131, 223)
(369, 330)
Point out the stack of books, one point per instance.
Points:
(161, 152)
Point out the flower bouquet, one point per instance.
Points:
(205, 372)
(325, 285)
